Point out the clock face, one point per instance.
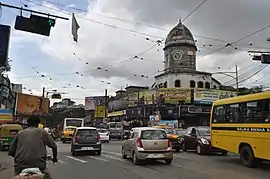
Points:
(177, 54)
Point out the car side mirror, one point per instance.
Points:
(126, 137)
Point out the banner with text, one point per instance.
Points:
(174, 95)
(92, 101)
(141, 98)
(202, 96)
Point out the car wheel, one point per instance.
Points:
(177, 149)
(124, 156)
(247, 157)
(73, 153)
(108, 141)
(135, 159)
(119, 138)
(168, 161)
(99, 152)
(184, 147)
(223, 153)
(199, 149)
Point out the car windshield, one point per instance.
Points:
(87, 133)
(153, 135)
(204, 131)
(74, 122)
(115, 125)
(70, 129)
(169, 131)
(102, 130)
(180, 132)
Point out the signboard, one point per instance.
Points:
(145, 97)
(116, 113)
(100, 111)
(174, 95)
(202, 96)
(32, 105)
(93, 101)
(169, 123)
(6, 115)
(154, 118)
(118, 104)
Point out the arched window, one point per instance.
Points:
(165, 84)
(207, 85)
(214, 87)
(200, 84)
(177, 83)
(192, 84)
(160, 85)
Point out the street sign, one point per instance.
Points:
(4, 44)
(35, 24)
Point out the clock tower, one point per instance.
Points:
(180, 50)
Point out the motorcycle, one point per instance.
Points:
(32, 173)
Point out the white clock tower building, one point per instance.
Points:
(180, 63)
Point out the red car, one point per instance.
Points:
(198, 138)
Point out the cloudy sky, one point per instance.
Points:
(113, 32)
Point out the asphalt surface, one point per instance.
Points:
(186, 165)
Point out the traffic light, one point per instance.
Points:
(4, 44)
(35, 24)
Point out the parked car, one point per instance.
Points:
(104, 135)
(147, 143)
(198, 138)
(85, 139)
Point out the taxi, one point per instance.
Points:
(68, 134)
(174, 138)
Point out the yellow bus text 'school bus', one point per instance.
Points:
(242, 125)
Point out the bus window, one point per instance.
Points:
(219, 114)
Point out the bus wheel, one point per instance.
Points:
(247, 157)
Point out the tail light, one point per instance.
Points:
(169, 143)
(75, 138)
(139, 142)
(98, 137)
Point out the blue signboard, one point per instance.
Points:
(4, 44)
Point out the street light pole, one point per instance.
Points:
(236, 78)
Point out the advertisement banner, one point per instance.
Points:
(145, 97)
(93, 101)
(6, 115)
(173, 95)
(118, 104)
(100, 111)
(202, 96)
(169, 123)
(32, 105)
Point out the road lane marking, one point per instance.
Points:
(115, 158)
(101, 159)
(76, 159)
(61, 162)
(115, 153)
(193, 169)
(181, 156)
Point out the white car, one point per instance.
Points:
(104, 135)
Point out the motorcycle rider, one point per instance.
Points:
(29, 148)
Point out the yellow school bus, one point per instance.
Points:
(242, 125)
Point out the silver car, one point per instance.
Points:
(145, 143)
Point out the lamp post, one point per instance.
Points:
(234, 77)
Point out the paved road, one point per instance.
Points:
(109, 165)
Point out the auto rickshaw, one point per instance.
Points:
(7, 134)
(68, 134)
(174, 138)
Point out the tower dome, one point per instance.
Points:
(180, 34)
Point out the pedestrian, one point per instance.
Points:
(29, 148)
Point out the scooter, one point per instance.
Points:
(32, 173)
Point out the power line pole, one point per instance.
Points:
(236, 78)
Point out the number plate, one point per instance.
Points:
(87, 148)
(155, 155)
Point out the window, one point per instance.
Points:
(192, 84)
(219, 114)
(153, 135)
(177, 83)
(165, 84)
(200, 84)
(204, 131)
(160, 85)
(207, 85)
(87, 133)
(214, 87)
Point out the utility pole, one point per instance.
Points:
(106, 103)
(43, 92)
(236, 78)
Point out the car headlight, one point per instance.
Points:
(205, 141)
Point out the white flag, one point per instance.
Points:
(74, 28)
